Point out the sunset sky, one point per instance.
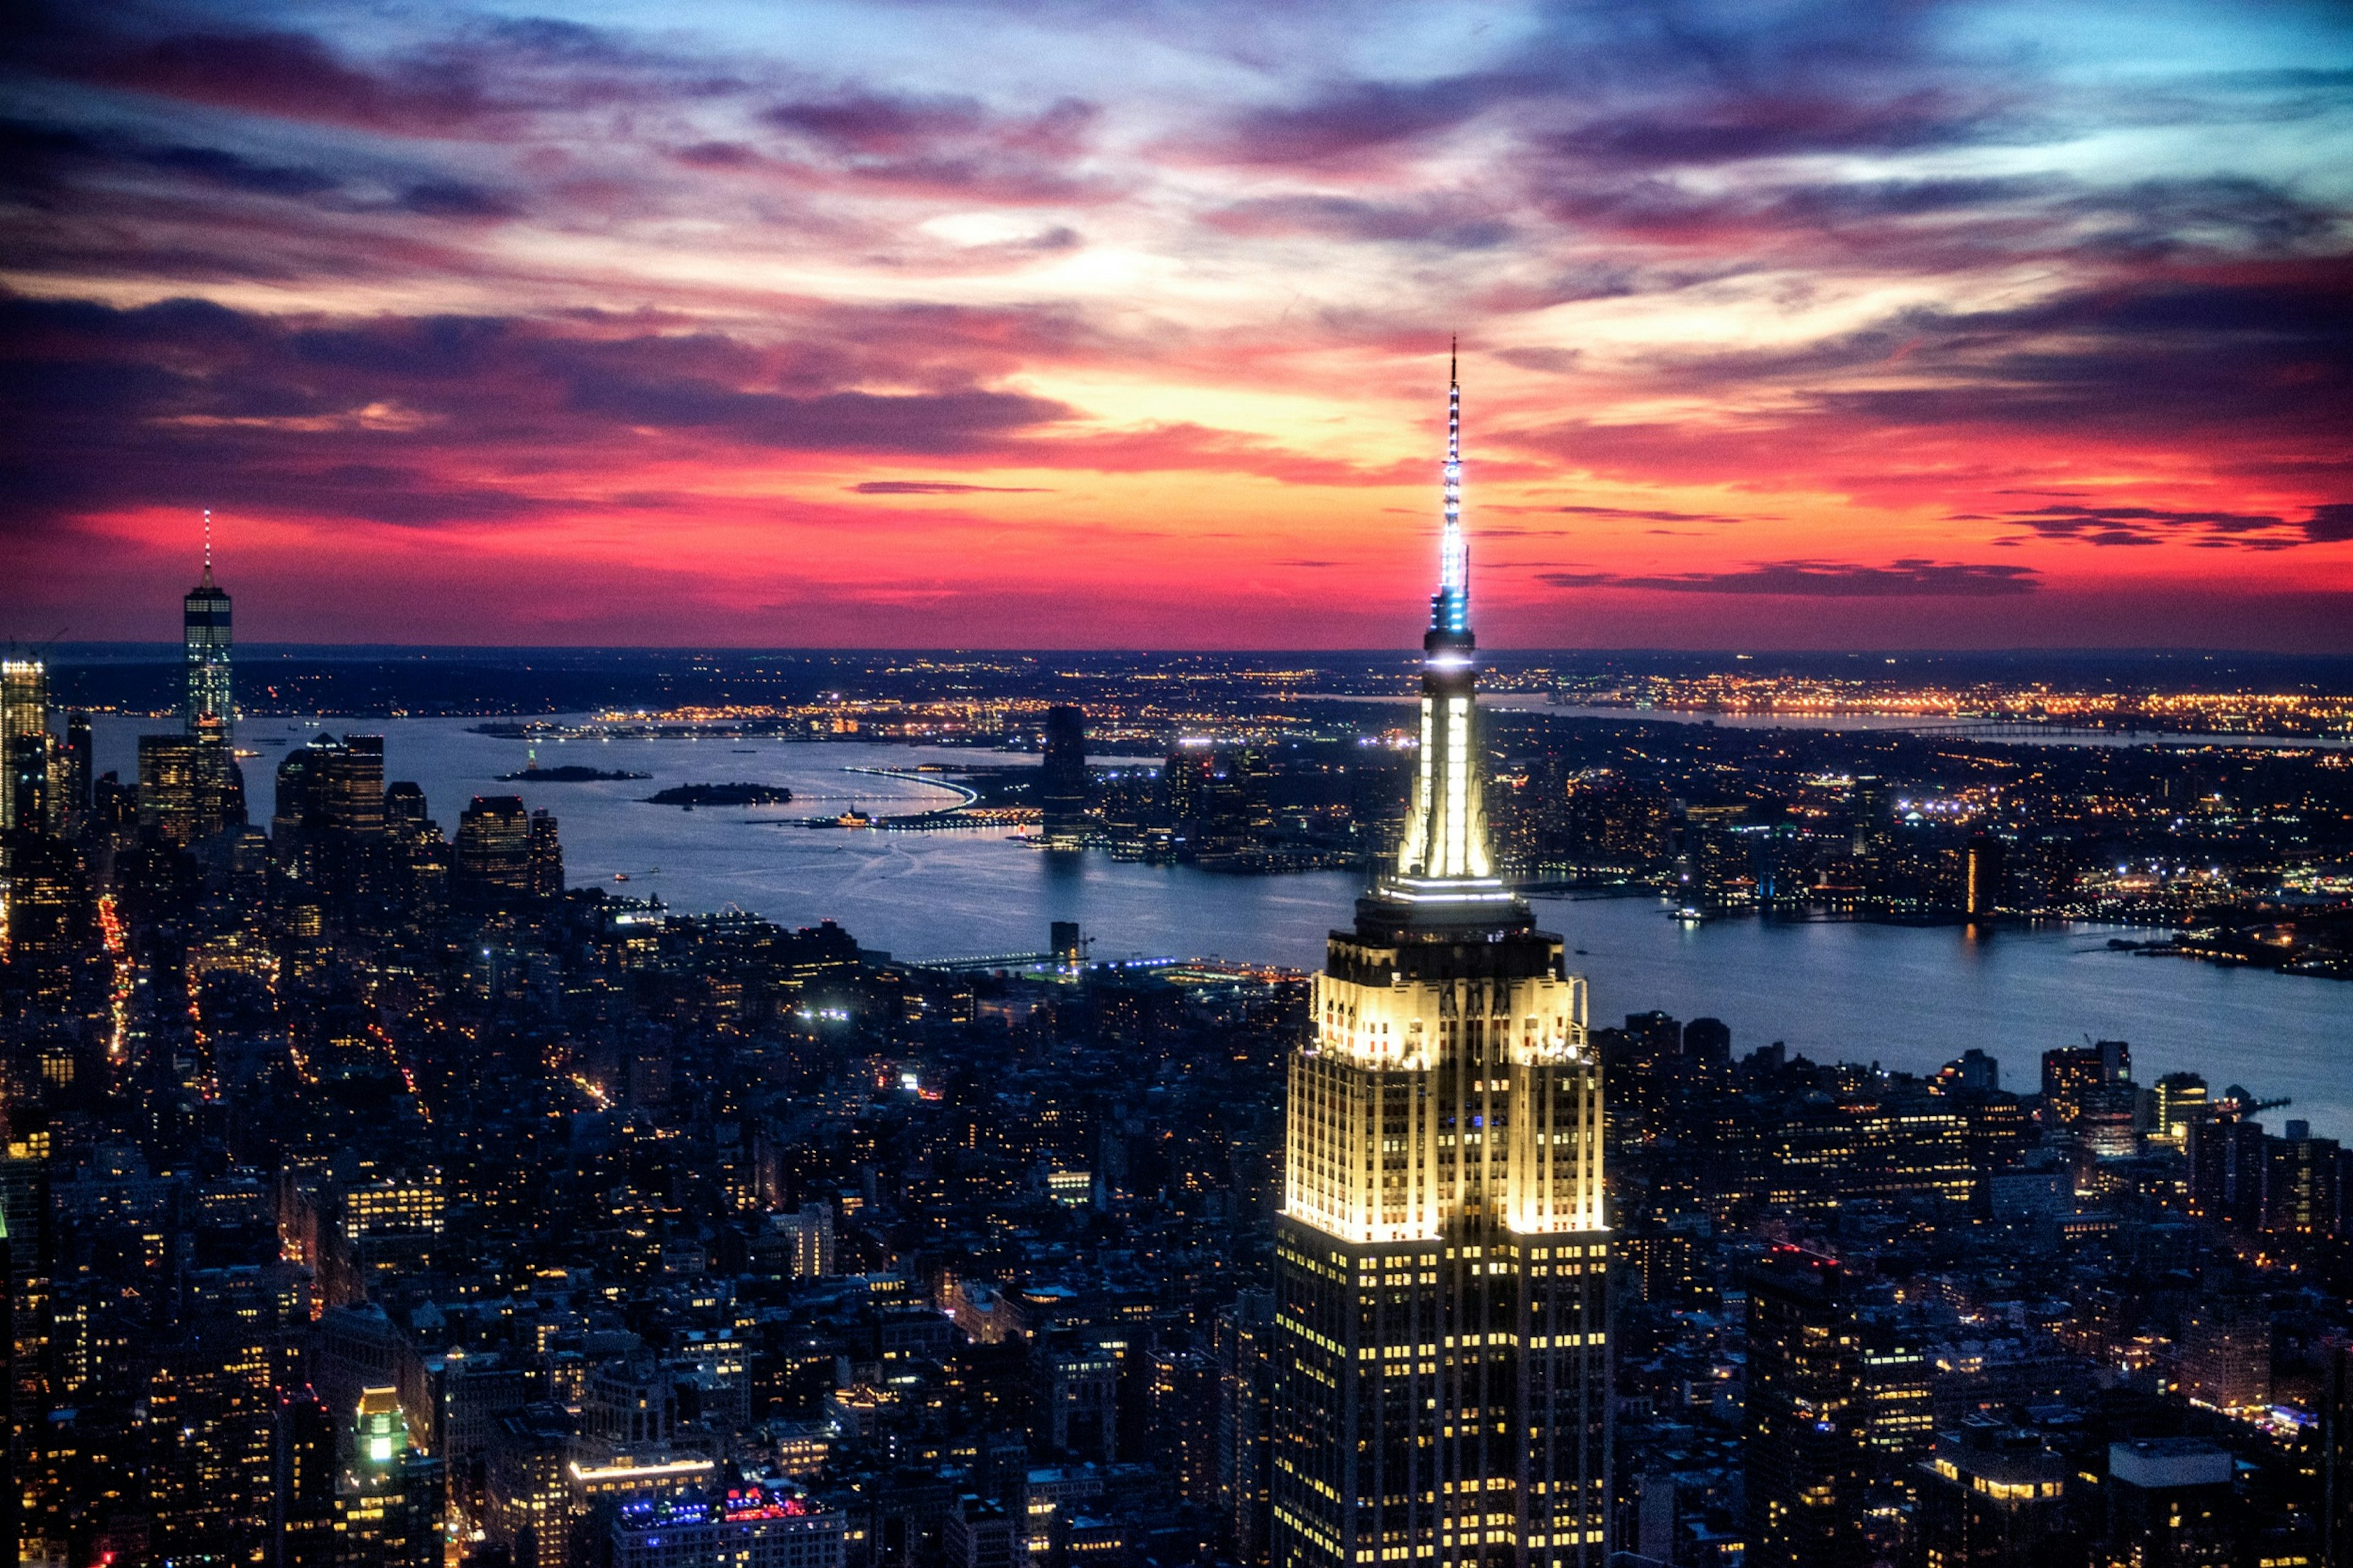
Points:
(1863, 323)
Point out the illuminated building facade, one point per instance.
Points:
(190, 787)
(389, 1508)
(1981, 868)
(2179, 1099)
(24, 732)
(2070, 1073)
(49, 917)
(1441, 1332)
(529, 1492)
(1992, 1497)
(205, 625)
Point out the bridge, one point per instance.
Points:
(2029, 729)
(987, 963)
(1183, 971)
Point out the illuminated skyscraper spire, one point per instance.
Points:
(1446, 832)
(1450, 609)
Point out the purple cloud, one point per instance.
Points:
(2142, 525)
(1825, 580)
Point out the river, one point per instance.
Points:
(1905, 997)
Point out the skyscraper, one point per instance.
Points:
(1062, 777)
(1981, 867)
(302, 1498)
(77, 770)
(189, 786)
(545, 857)
(205, 623)
(1440, 1331)
(1806, 1470)
(23, 726)
(493, 866)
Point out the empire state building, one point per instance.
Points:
(1441, 1328)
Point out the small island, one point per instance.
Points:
(571, 772)
(688, 796)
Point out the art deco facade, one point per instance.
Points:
(1441, 1335)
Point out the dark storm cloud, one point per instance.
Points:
(877, 123)
(1353, 118)
(927, 423)
(169, 402)
(295, 76)
(2268, 347)
(2140, 525)
(36, 155)
(1449, 224)
(1741, 127)
(1672, 231)
(480, 78)
(947, 143)
(454, 198)
(1660, 85)
(1824, 580)
(44, 161)
(218, 166)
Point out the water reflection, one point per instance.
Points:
(1908, 997)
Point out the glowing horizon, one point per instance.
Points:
(1955, 325)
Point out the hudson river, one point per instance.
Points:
(1903, 996)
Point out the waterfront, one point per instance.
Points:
(1992, 729)
(1907, 997)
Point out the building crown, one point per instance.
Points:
(1445, 838)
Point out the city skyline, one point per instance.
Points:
(378, 1196)
(1958, 325)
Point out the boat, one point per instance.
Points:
(621, 875)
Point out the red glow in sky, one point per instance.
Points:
(1817, 325)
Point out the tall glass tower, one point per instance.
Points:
(204, 622)
(1442, 1327)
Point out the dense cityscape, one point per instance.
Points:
(375, 1194)
(1194, 783)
